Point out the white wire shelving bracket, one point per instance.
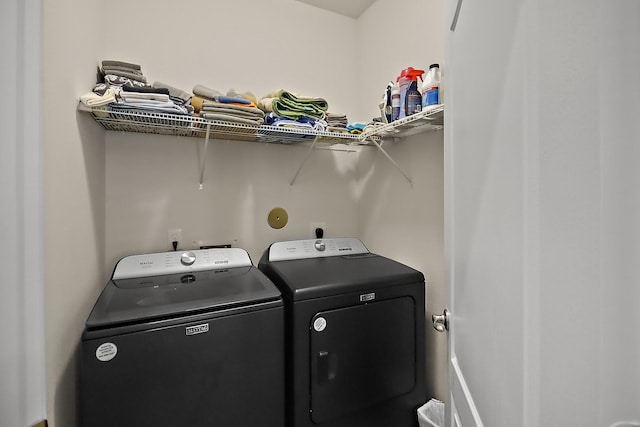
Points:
(430, 118)
(140, 121)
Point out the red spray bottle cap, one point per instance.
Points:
(411, 73)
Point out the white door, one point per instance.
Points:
(486, 212)
(542, 218)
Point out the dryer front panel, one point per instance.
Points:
(361, 356)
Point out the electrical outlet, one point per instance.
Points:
(315, 225)
(174, 235)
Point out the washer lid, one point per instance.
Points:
(140, 299)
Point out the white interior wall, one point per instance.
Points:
(243, 182)
(405, 222)
(246, 45)
(393, 35)
(152, 182)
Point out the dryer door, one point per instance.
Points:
(360, 356)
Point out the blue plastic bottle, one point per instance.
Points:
(413, 97)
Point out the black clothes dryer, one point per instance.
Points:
(355, 334)
(184, 339)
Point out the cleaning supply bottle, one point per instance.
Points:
(407, 77)
(431, 86)
(413, 97)
(387, 107)
(385, 104)
(395, 101)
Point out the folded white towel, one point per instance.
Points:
(91, 99)
(133, 96)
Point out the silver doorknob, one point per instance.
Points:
(441, 321)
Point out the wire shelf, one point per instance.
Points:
(431, 117)
(182, 125)
(141, 121)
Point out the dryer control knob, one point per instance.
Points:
(187, 258)
(319, 245)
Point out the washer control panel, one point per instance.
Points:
(316, 248)
(159, 264)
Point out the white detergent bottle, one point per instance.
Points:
(395, 101)
(431, 86)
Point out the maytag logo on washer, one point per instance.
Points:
(198, 329)
(368, 297)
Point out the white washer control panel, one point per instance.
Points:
(159, 264)
(316, 248)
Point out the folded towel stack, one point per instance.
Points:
(337, 122)
(178, 96)
(308, 123)
(285, 104)
(99, 97)
(123, 87)
(148, 98)
(120, 73)
(232, 107)
(288, 111)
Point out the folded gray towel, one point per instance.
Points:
(127, 75)
(108, 69)
(129, 65)
(113, 80)
(175, 93)
(205, 92)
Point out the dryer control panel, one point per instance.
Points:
(316, 248)
(162, 263)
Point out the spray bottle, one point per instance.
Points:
(413, 97)
(406, 78)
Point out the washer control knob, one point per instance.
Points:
(187, 258)
(319, 245)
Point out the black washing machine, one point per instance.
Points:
(355, 334)
(184, 339)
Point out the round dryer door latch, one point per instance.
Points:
(320, 324)
(187, 258)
